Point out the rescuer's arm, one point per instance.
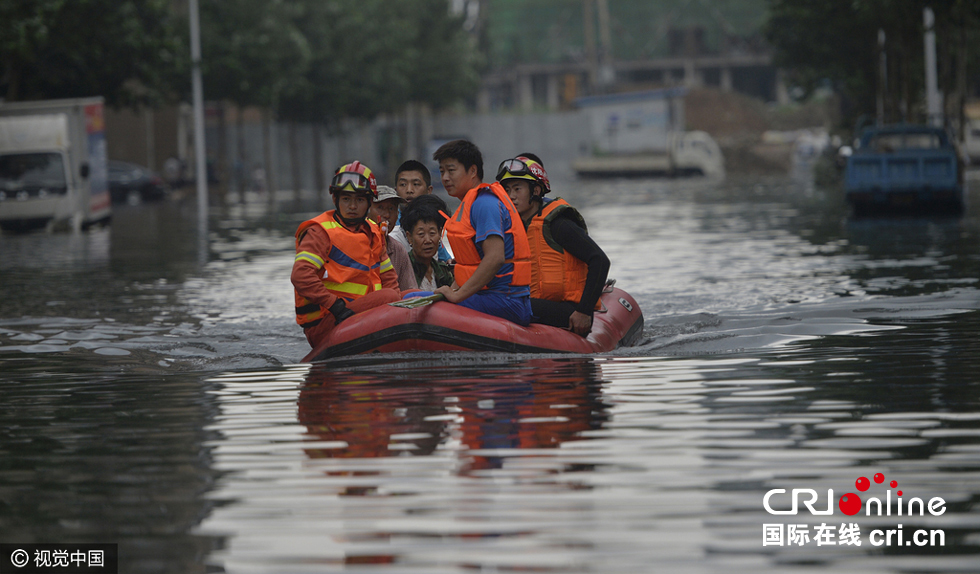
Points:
(309, 260)
(576, 241)
(389, 278)
(493, 259)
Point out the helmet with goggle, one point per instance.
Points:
(524, 168)
(355, 177)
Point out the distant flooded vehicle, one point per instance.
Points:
(904, 168)
(53, 164)
(642, 134)
(130, 182)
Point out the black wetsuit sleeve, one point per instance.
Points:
(576, 241)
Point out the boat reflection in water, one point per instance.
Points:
(541, 405)
(397, 459)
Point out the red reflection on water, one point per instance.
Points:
(538, 403)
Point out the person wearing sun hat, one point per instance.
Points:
(384, 212)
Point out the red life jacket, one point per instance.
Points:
(351, 270)
(462, 238)
(556, 275)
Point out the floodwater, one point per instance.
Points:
(152, 397)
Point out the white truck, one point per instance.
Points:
(53, 164)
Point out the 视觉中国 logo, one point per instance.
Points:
(873, 500)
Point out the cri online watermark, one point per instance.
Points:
(850, 504)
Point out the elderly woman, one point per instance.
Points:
(422, 221)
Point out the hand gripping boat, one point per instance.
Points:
(444, 326)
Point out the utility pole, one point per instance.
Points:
(882, 78)
(588, 32)
(197, 87)
(607, 75)
(934, 109)
(961, 74)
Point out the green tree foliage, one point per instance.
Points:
(836, 41)
(251, 50)
(309, 60)
(551, 31)
(444, 60)
(373, 56)
(127, 51)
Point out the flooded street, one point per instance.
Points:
(153, 398)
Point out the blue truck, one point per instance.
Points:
(904, 168)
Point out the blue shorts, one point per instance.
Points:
(514, 309)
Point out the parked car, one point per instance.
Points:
(133, 183)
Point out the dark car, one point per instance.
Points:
(133, 183)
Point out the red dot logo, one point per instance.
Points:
(850, 504)
(879, 478)
(862, 483)
(900, 493)
(893, 483)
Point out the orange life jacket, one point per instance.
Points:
(556, 275)
(462, 238)
(351, 270)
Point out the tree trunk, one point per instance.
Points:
(221, 165)
(242, 158)
(904, 86)
(318, 177)
(13, 75)
(961, 55)
(294, 159)
(267, 149)
(341, 129)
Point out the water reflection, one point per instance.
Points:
(72, 251)
(579, 464)
(543, 404)
(88, 457)
(382, 468)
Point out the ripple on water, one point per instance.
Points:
(111, 351)
(626, 461)
(786, 347)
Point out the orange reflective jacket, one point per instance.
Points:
(351, 270)
(556, 274)
(462, 238)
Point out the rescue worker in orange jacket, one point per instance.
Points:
(489, 242)
(341, 266)
(568, 269)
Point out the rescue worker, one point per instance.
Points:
(568, 269)
(341, 267)
(493, 268)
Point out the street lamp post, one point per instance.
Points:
(200, 155)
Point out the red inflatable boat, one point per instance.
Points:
(444, 326)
